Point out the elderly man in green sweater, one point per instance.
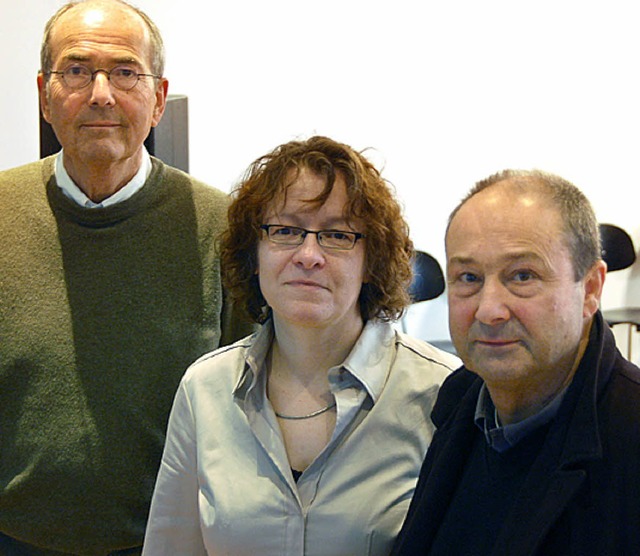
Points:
(109, 288)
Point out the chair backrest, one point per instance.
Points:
(428, 280)
(617, 247)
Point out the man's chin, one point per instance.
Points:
(102, 152)
(499, 361)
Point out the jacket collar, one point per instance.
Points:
(578, 417)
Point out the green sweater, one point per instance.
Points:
(101, 312)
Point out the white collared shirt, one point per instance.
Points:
(73, 192)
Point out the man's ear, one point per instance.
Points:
(161, 101)
(43, 97)
(593, 284)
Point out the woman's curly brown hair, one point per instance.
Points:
(388, 247)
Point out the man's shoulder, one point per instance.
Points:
(199, 187)
(30, 170)
(459, 382)
(631, 373)
(458, 385)
(209, 202)
(625, 391)
(23, 188)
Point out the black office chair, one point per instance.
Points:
(617, 247)
(427, 283)
(619, 253)
(428, 280)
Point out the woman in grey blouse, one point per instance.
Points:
(307, 437)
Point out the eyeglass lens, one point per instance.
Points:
(290, 235)
(78, 76)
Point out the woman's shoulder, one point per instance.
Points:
(421, 349)
(224, 363)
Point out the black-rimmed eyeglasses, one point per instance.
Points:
(78, 76)
(292, 235)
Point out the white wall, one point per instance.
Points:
(446, 92)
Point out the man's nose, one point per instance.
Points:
(101, 89)
(493, 302)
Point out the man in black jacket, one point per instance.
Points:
(537, 446)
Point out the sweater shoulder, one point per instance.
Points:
(207, 199)
(23, 191)
(200, 189)
(32, 172)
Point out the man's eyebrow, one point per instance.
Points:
(75, 58)
(127, 60)
(461, 260)
(79, 57)
(522, 256)
(508, 257)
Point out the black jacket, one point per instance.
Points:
(582, 495)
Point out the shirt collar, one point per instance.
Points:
(367, 366)
(73, 192)
(254, 361)
(371, 357)
(501, 438)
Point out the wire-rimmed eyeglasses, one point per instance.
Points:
(78, 76)
(293, 235)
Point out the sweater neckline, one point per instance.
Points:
(97, 217)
